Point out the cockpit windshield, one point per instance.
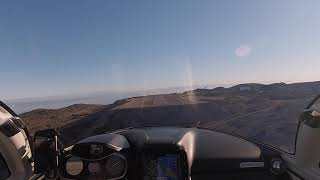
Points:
(247, 68)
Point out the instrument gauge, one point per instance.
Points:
(116, 166)
(94, 167)
(74, 166)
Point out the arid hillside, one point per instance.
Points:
(267, 113)
(56, 118)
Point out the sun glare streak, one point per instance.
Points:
(188, 81)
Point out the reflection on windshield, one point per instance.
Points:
(316, 106)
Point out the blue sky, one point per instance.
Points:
(61, 47)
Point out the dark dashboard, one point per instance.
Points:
(168, 153)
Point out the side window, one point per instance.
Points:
(4, 170)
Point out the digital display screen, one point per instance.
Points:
(164, 167)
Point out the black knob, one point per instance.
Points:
(277, 166)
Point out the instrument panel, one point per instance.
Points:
(94, 161)
(112, 167)
(171, 154)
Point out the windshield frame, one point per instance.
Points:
(301, 120)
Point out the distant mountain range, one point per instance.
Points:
(104, 97)
(267, 113)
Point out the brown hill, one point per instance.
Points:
(56, 118)
(267, 113)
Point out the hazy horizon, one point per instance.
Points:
(169, 89)
(102, 97)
